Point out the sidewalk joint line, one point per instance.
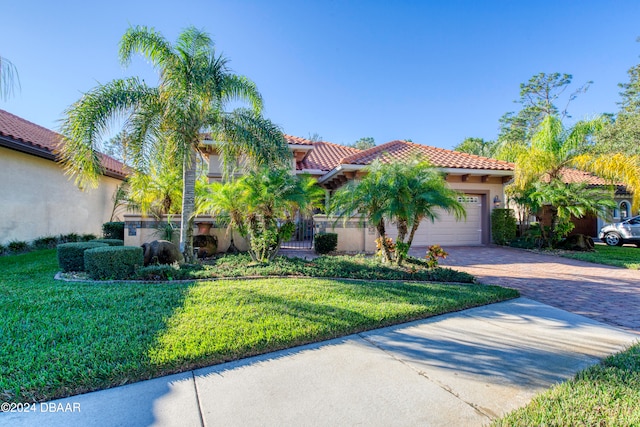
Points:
(425, 376)
(195, 388)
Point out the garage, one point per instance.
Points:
(446, 231)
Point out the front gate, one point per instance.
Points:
(302, 236)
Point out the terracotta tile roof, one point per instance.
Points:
(296, 140)
(570, 176)
(326, 156)
(439, 157)
(31, 135)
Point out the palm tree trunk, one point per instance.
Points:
(383, 238)
(188, 206)
(414, 228)
(402, 233)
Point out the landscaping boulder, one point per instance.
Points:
(207, 245)
(577, 242)
(161, 252)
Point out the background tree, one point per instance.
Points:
(364, 143)
(477, 146)
(622, 132)
(9, 78)
(195, 86)
(538, 98)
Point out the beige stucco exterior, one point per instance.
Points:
(37, 200)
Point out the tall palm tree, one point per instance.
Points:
(195, 86)
(8, 78)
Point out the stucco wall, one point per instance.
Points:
(37, 199)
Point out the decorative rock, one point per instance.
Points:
(161, 252)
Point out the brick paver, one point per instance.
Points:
(607, 294)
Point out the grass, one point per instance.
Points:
(602, 395)
(61, 339)
(619, 256)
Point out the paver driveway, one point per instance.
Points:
(607, 294)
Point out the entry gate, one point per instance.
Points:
(302, 236)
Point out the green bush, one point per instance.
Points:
(325, 242)
(47, 242)
(18, 246)
(113, 230)
(110, 242)
(71, 255)
(503, 226)
(113, 262)
(69, 238)
(88, 237)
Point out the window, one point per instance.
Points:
(624, 209)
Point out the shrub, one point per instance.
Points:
(503, 226)
(113, 230)
(325, 242)
(112, 262)
(47, 242)
(87, 238)
(67, 238)
(71, 255)
(433, 253)
(110, 242)
(2, 249)
(18, 246)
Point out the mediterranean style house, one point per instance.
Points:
(480, 180)
(36, 198)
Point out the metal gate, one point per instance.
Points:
(302, 236)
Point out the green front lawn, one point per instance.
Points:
(61, 339)
(619, 256)
(603, 395)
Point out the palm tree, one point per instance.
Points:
(227, 203)
(554, 148)
(274, 197)
(8, 78)
(429, 193)
(366, 199)
(195, 85)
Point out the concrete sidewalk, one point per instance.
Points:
(460, 369)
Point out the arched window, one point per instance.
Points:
(624, 209)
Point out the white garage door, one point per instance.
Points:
(446, 231)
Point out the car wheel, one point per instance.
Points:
(613, 239)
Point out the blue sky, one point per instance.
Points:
(432, 71)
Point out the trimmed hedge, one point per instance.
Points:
(503, 226)
(110, 242)
(71, 255)
(325, 243)
(113, 262)
(113, 230)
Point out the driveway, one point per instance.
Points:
(604, 293)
